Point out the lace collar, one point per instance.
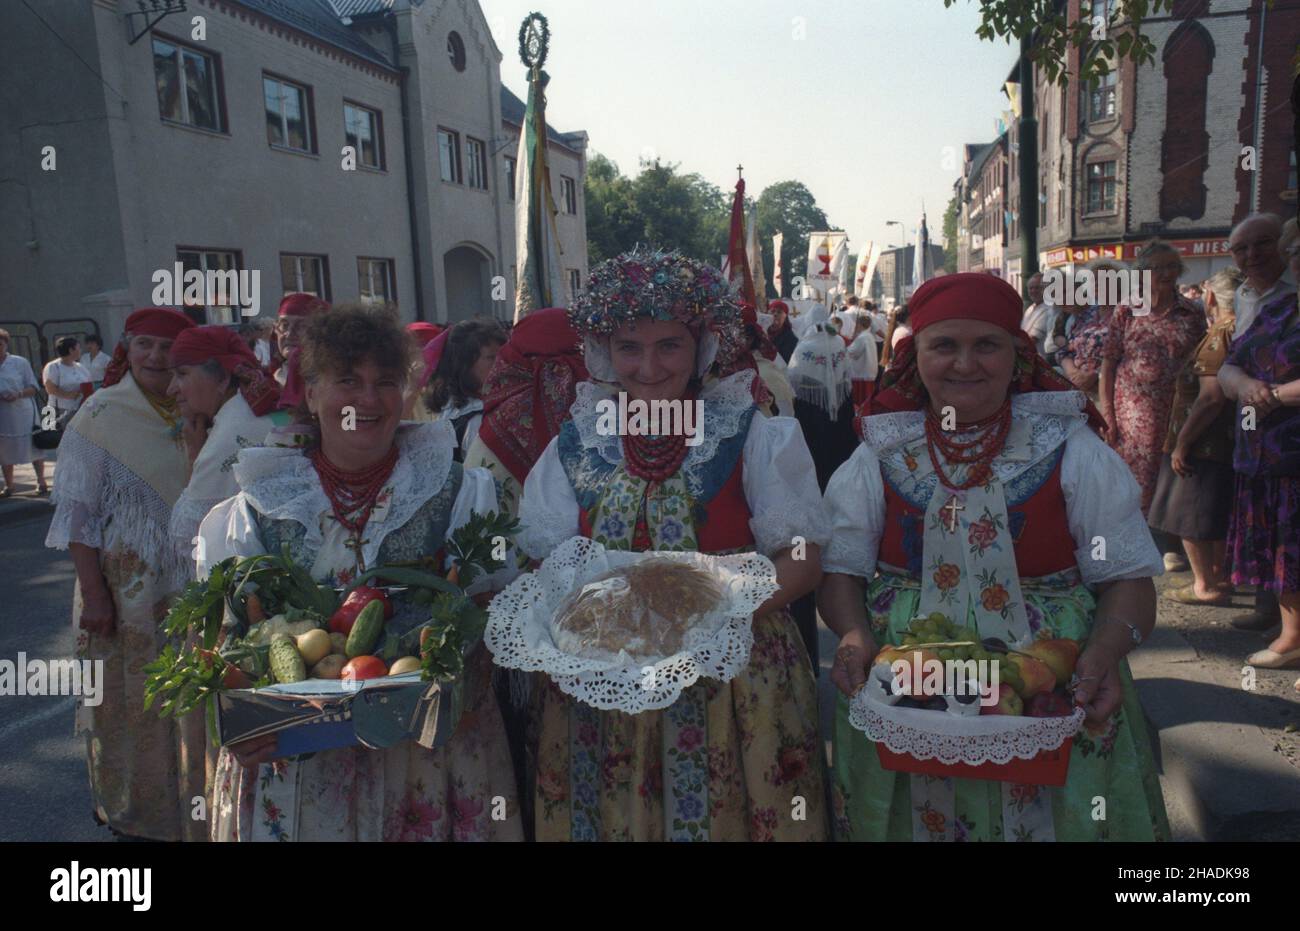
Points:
(727, 401)
(280, 483)
(1040, 422)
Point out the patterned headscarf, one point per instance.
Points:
(530, 389)
(966, 296)
(738, 340)
(225, 347)
(297, 304)
(158, 322)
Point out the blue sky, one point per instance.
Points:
(861, 109)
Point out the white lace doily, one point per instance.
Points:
(519, 628)
(933, 735)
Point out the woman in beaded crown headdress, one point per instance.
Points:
(725, 761)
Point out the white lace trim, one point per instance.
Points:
(776, 527)
(949, 738)
(186, 517)
(519, 628)
(1041, 421)
(280, 483)
(93, 485)
(845, 555)
(726, 401)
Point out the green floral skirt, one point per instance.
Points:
(1112, 791)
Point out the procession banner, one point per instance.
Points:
(754, 253)
(778, 279)
(827, 253)
(864, 282)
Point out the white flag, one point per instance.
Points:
(827, 255)
(867, 270)
(754, 252)
(778, 279)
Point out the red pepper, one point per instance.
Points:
(341, 621)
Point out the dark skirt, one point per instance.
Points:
(1264, 533)
(1196, 507)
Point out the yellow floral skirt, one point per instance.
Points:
(735, 761)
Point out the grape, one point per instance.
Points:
(946, 655)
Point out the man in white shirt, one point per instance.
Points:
(1254, 244)
(1254, 247)
(95, 360)
(1041, 316)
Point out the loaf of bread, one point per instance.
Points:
(644, 609)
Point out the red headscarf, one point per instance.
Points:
(965, 296)
(297, 304)
(228, 349)
(433, 356)
(532, 384)
(158, 322)
(737, 342)
(423, 332)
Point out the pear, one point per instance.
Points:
(1035, 675)
(1060, 655)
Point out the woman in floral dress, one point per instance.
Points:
(996, 526)
(361, 498)
(1146, 349)
(740, 760)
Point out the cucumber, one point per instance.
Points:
(286, 662)
(366, 630)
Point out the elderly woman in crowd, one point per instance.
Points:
(1262, 374)
(356, 499)
(18, 416)
(648, 319)
(1146, 348)
(122, 467)
(1081, 357)
(1193, 495)
(993, 525)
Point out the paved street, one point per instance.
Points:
(1230, 769)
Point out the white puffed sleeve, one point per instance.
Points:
(548, 510)
(478, 495)
(855, 501)
(1103, 506)
(227, 530)
(780, 483)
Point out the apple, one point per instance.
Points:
(1008, 702)
(1036, 675)
(1061, 655)
(1049, 705)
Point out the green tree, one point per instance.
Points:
(789, 208)
(1054, 33)
(950, 217)
(611, 213)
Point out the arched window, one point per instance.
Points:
(456, 51)
(1184, 148)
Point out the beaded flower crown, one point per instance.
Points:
(659, 285)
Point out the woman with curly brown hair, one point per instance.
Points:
(370, 491)
(459, 361)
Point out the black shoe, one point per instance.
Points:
(1256, 621)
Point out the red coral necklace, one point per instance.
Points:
(352, 495)
(977, 452)
(654, 458)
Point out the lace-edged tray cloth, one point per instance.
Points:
(1002, 748)
(630, 631)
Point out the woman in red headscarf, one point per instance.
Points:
(229, 403)
(982, 492)
(122, 467)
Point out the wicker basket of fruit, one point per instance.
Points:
(947, 703)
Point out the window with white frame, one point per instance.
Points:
(288, 114)
(375, 281)
(510, 177)
(449, 155)
(361, 129)
(1101, 187)
(307, 273)
(188, 83)
(211, 260)
(575, 283)
(476, 157)
(569, 191)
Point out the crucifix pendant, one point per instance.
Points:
(355, 544)
(950, 513)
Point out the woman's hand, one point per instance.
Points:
(1179, 460)
(256, 751)
(195, 433)
(1099, 691)
(852, 660)
(10, 396)
(1257, 394)
(98, 615)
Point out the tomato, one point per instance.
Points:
(341, 621)
(363, 667)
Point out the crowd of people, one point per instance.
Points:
(1171, 427)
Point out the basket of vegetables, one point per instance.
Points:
(265, 649)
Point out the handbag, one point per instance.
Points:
(42, 438)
